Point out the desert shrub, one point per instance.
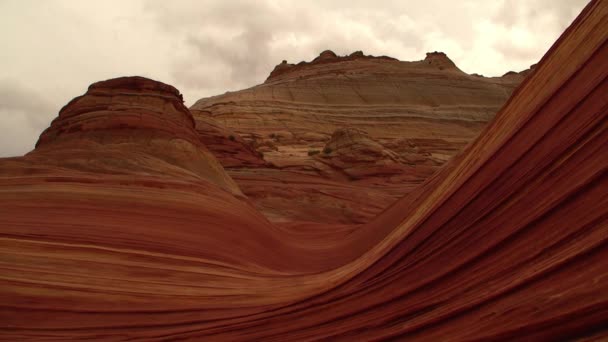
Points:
(327, 150)
(231, 137)
(313, 152)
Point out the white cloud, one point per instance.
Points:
(58, 47)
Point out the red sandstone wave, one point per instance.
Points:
(120, 225)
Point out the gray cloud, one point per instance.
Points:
(58, 47)
(23, 115)
(525, 23)
(234, 44)
(526, 12)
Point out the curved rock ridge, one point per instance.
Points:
(508, 241)
(424, 111)
(326, 55)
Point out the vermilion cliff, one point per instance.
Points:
(122, 224)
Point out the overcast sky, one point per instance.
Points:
(52, 50)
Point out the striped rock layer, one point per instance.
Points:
(508, 241)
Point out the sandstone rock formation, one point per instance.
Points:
(121, 238)
(354, 153)
(420, 113)
(128, 125)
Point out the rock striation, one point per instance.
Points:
(508, 241)
(354, 153)
(421, 113)
(228, 146)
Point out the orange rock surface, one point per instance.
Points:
(120, 225)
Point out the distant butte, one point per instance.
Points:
(421, 113)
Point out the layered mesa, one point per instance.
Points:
(122, 225)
